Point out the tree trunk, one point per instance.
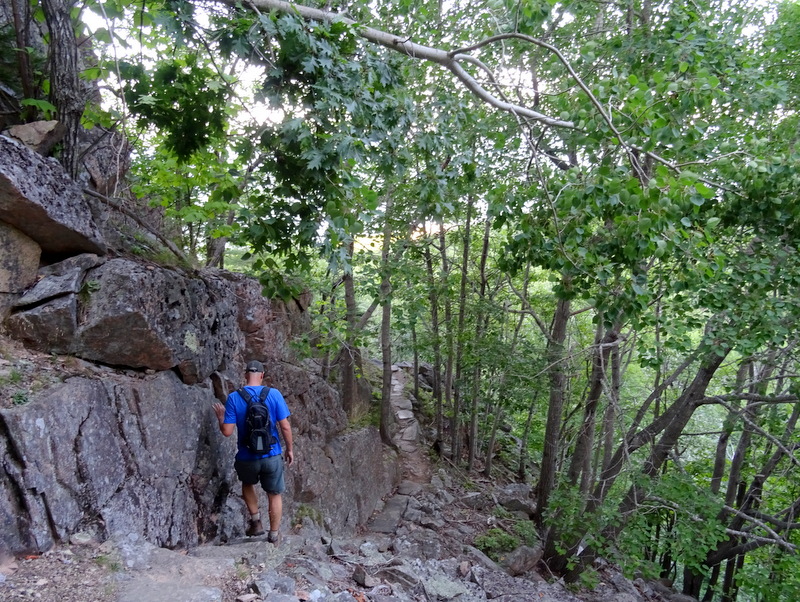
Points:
(522, 469)
(482, 320)
(347, 361)
(387, 415)
(552, 435)
(22, 20)
(487, 469)
(416, 360)
(579, 467)
(458, 391)
(448, 352)
(670, 424)
(65, 90)
(611, 409)
(437, 348)
(216, 246)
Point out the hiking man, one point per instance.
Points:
(266, 468)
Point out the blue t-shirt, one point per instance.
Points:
(236, 408)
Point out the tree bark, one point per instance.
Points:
(552, 436)
(578, 472)
(522, 468)
(387, 415)
(458, 391)
(437, 347)
(347, 355)
(448, 352)
(670, 424)
(481, 319)
(65, 90)
(611, 409)
(22, 20)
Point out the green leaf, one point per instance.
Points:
(44, 106)
(704, 190)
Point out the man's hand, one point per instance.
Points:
(225, 429)
(289, 457)
(219, 410)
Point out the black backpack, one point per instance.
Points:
(257, 425)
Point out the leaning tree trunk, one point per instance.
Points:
(671, 425)
(578, 472)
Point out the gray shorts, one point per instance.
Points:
(267, 471)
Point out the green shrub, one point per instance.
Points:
(526, 531)
(308, 511)
(495, 543)
(501, 512)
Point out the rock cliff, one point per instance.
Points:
(126, 442)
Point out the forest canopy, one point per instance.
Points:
(582, 215)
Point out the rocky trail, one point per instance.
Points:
(417, 547)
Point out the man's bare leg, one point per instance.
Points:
(275, 510)
(250, 495)
(275, 513)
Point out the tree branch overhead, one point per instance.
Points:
(403, 45)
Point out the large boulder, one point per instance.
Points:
(337, 479)
(18, 266)
(123, 313)
(119, 456)
(38, 198)
(39, 136)
(129, 443)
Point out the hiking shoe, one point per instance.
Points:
(275, 539)
(254, 529)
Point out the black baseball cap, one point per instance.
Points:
(254, 366)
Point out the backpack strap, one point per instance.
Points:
(262, 396)
(245, 395)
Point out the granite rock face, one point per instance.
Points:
(132, 446)
(18, 270)
(139, 451)
(38, 198)
(106, 455)
(123, 313)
